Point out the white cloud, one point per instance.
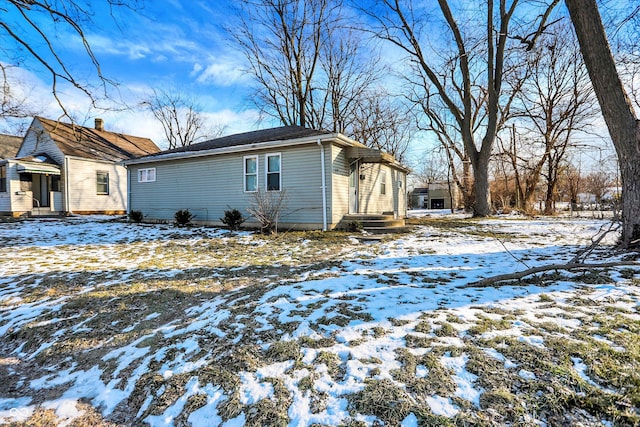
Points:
(196, 70)
(221, 71)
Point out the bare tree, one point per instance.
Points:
(473, 92)
(16, 104)
(181, 118)
(25, 39)
(282, 42)
(617, 109)
(597, 183)
(382, 122)
(554, 101)
(312, 69)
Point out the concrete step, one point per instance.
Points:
(376, 223)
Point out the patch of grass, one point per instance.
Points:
(446, 330)
(485, 324)
(333, 364)
(545, 298)
(281, 351)
(323, 342)
(231, 407)
(383, 399)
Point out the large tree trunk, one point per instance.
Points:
(482, 205)
(616, 108)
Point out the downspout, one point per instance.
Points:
(128, 190)
(324, 187)
(67, 201)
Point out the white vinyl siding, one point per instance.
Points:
(81, 186)
(208, 186)
(338, 191)
(273, 180)
(250, 174)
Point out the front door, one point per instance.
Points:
(354, 179)
(40, 188)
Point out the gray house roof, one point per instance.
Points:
(9, 146)
(282, 133)
(279, 136)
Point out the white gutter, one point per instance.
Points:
(324, 187)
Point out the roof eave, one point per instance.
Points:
(333, 137)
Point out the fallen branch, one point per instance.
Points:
(489, 281)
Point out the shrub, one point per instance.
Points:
(136, 216)
(233, 219)
(354, 226)
(267, 207)
(183, 217)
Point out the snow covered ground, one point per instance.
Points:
(103, 321)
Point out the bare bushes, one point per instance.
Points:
(266, 207)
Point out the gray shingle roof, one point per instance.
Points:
(283, 133)
(9, 146)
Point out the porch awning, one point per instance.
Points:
(41, 168)
(371, 155)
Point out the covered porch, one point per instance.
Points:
(40, 182)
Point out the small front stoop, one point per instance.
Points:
(375, 224)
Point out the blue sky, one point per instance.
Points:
(177, 45)
(165, 44)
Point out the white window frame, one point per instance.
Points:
(245, 174)
(104, 173)
(147, 175)
(383, 183)
(266, 171)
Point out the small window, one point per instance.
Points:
(251, 173)
(102, 180)
(55, 183)
(383, 183)
(147, 175)
(3, 179)
(273, 172)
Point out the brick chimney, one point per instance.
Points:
(99, 125)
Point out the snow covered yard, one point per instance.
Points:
(106, 323)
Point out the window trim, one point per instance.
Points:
(266, 170)
(245, 174)
(98, 183)
(146, 173)
(383, 183)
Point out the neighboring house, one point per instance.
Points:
(322, 175)
(63, 168)
(9, 146)
(435, 195)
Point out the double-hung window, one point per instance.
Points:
(250, 173)
(102, 182)
(383, 183)
(274, 181)
(147, 175)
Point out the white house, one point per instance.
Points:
(63, 168)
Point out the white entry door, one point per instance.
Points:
(353, 187)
